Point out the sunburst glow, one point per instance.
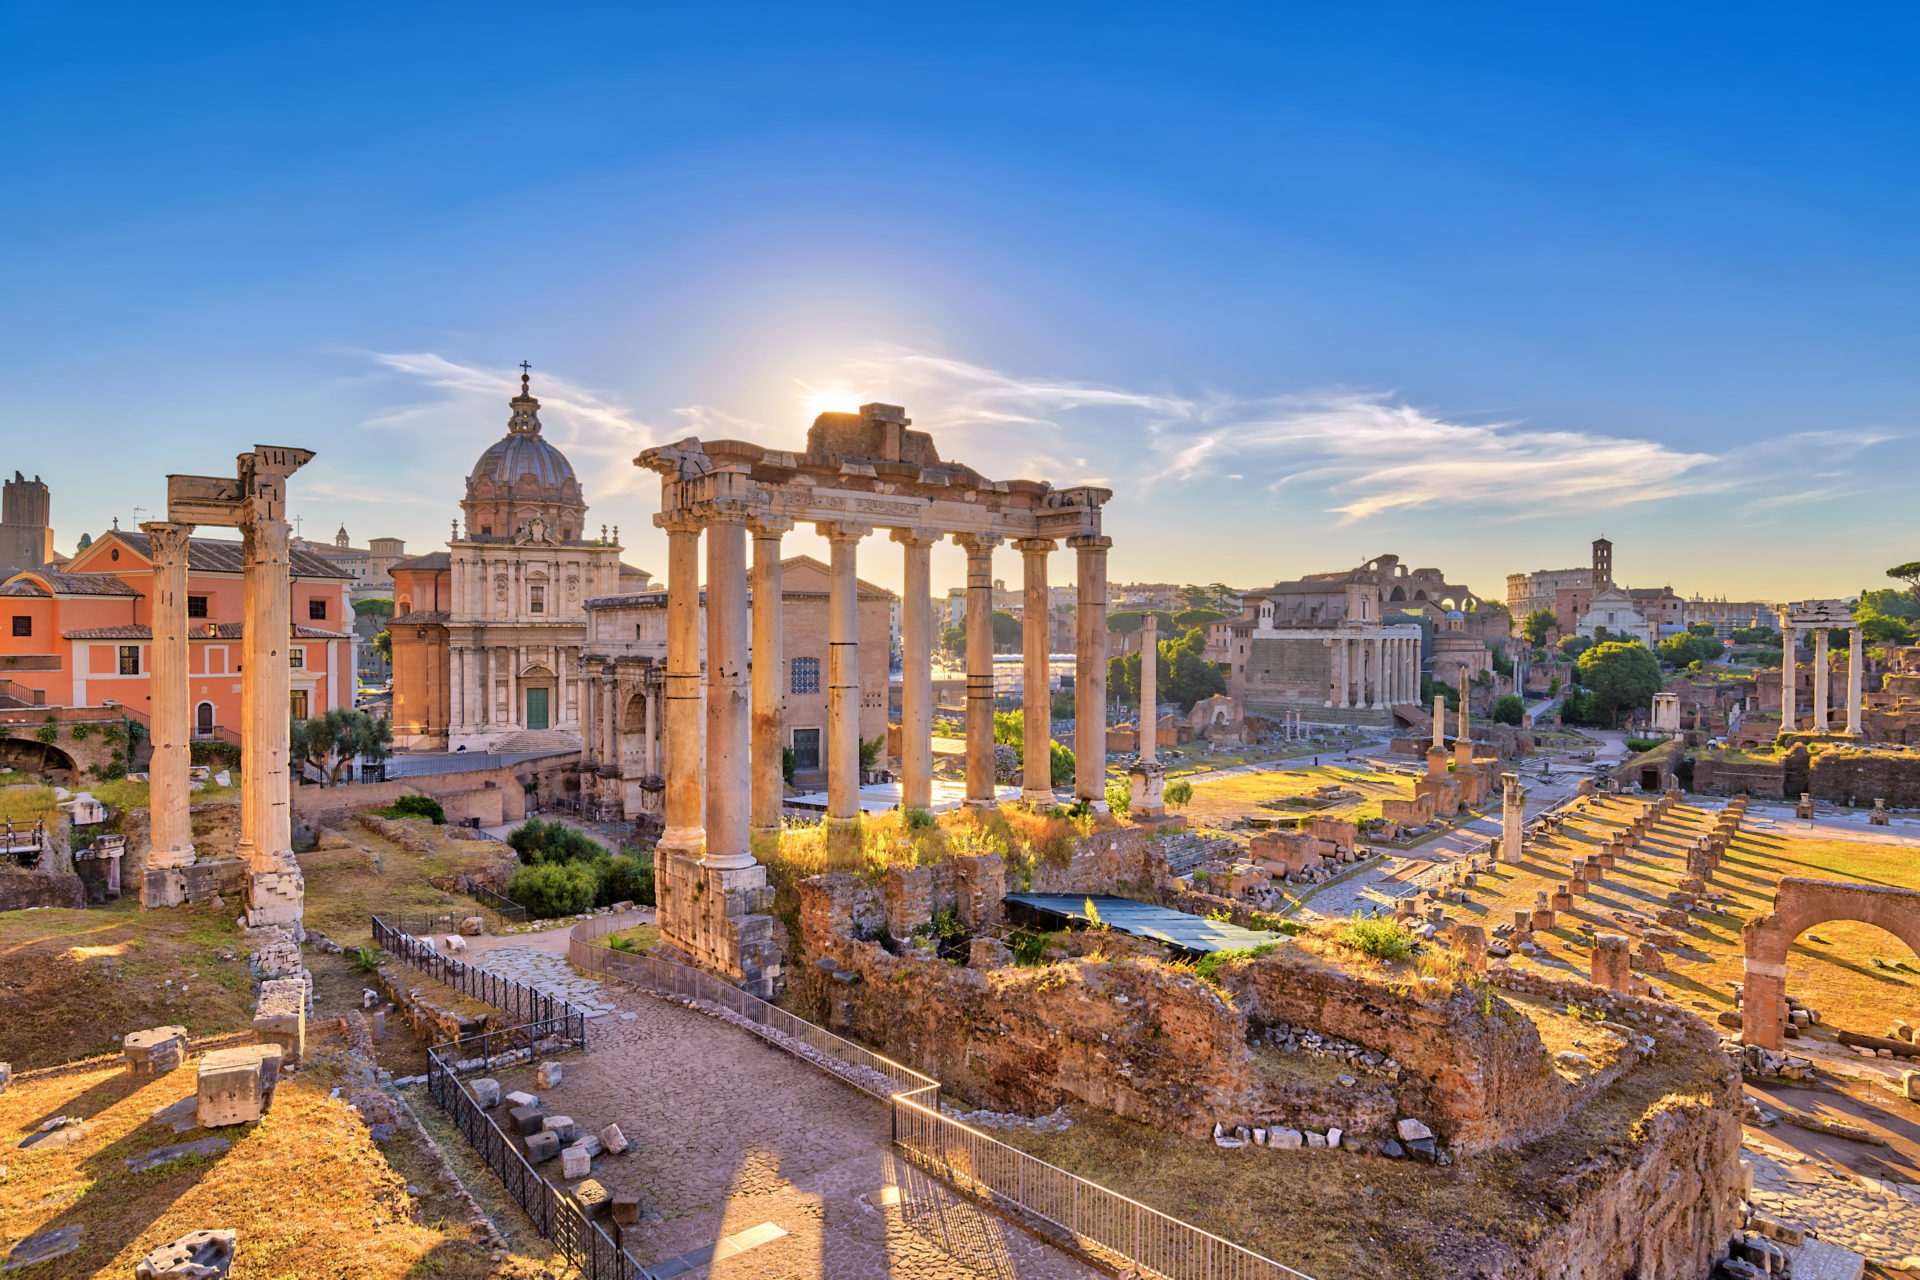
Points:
(830, 399)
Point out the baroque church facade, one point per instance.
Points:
(487, 635)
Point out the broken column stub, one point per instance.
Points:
(1612, 962)
(198, 1255)
(154, 1051)
(281, 1017)
(235, 1086)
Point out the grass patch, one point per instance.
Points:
(1381, 937)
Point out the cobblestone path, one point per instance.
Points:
(731, 1134)
(1880, 1220)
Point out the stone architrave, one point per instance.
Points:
(1036, 699)
(1090, 672)
(171, 718)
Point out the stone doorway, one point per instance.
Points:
(537, 708)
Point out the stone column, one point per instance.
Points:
(916, 669)
(1439, 722)
(1464, 706)
(1036, 698)
(1856, 662)
(681, 804)
(516, 714)
(1340, 673)
(1512, 818)
(769, 666)
(843, 671)
(1377, 695)
(652, 748)
(1146, 782)
(1090, 672)
(172, 715)
(1820, 679)
(729, 707)
(590, 729)
(609, 724)
(979, 548)
(276, 889)
(1612, 962)
(1787, 673)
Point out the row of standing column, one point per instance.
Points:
(600, 719)
(742, 792)
(1789, 678)
(1375, 672)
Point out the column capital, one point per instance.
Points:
(681, 520)
(916, 537)
(977, 543)
(1034, 546)
(842, 530)
(169, 536)
(766, 526)
(1090, 542)
(724, 511)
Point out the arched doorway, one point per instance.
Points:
(537, 709)
(633, 737)
(203, 720)
(1800, 904)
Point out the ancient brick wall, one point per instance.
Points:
(20, 889)
(1719, 777)
(1861, 777)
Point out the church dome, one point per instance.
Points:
(522, 478)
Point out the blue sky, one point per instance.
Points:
(1303, 284)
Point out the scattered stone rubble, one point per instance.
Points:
(1304, 1040)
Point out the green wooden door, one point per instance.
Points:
(536, 708)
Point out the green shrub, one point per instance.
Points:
(627, 878)
(49, 732)
(1119, 796)
(1637, 745)
(917, 819)
(364, 959)
(1508, 709)
(1207, 968)
(553, 889)
(1177, 793)
(1380, 937)
(539, 843)
(416, 806)
(1028, 947)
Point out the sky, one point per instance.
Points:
(1303, 284)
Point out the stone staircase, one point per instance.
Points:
(1185, 852)
(536, 740)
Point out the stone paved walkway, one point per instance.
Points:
(1880, 1220)
(730, 1133)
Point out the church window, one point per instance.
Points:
(129, 659)
(536, 599)
(196, 606)
(296, 657)
(22, 624)
(803, 677)
(486, 531)
(317, 610)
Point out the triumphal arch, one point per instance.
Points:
(860, 473)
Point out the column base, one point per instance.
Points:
(1146, 782)
(1039, 799)
(716, 917)
(276, 897)
(687, 842)
(731, 862)
(162, 859)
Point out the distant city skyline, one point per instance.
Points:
(1303, 287)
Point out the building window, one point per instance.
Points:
(296, 657)
(298, 704)
(196, 606)
(536, 599)
(22, 624)
(804, 677)
(806, 748)
(129, 659)
(317, 610)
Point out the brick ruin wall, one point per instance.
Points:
(1838, 776)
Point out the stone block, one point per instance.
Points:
(198, 1255)
(521, 1098)
(542, 1147)
(486, 1092)
(154, 1051)
(909, 893)
(6, 1075)
(614, 1140)
(1285, 1139)
(1412, 1130)
(281, 1017)
(526, 1119)
(560, 1127)
(594, 1200)
(455, 943)
(988, 953)
(473, 926)
(549, 1075)
(626, 1210)
(589, 1144)
(575, 1162)
(232, 1085)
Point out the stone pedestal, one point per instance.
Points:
(1513, 827)
(1145, 783)
(235, 1086)
(716, 917)
(281, 1017)
(1612, 962)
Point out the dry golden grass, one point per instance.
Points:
(1830, 967)
(310, 1195)
(1222, 801)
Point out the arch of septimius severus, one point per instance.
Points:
(860, 473)
(254, 501)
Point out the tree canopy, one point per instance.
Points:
(1537, 625)
(1187, 618)
(1006, 630)
(1128, 621)
(1684, 651)
(1509, 709)
(1182, 676)
(1619, 674)
(1908, 573)
(330, 742)
(373, 606)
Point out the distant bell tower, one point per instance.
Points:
(26, 525)
(1602, 564)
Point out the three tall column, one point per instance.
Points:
(1855, 661)
(172, 714)
(729, 711)
(979, 549)
(682, 803)
(843, 670)
(1090, 671)
(1036, 698)
(1820, 680)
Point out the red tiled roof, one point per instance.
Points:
(195, 631)
(222, 555)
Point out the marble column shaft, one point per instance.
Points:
(1150, 688)
(1036, 698)
(979, 549)
(1788, 676)
(843, 671)
(1856, 662)
(590, 737)
(1090, 671)
(171, 717)
(1821, 679)
(769, 664)
(916, 669)
(682, 802)
(729, 704)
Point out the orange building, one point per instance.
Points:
(80, 636)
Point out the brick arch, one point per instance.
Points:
(1798, 905)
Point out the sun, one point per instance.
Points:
(830, 399)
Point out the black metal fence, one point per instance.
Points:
(504, 907)
(404, 937)
(554, 1214)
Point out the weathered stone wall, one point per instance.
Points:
(20, 889)
(435, 1024)
(1105, 862)
(1861, 777)
(494, 796)
(1720, 777)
